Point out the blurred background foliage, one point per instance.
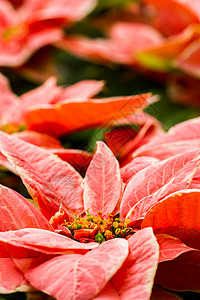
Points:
(120, 80)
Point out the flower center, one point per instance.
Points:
(96, 228)
(12, 128)
(14, 32)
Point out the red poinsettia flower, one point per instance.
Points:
(119, 47)
(56, 110)
(155, 38)
(55, 264)
(34, 24)
(180, 21)
(153, 51)
(13, 110)
(61, 110)
(87, 211)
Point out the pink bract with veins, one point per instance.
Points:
(57, 264)
(63, 197)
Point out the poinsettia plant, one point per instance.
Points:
(65, 202)
(182, 137)
(167, 40)
(57, 110)
(93, 236)
(34, 24)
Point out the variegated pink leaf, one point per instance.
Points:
(179, 138)
(4, 164)
(135, 278)
(49, 180)
(11, 278)
(73, 276)
(187, 130)
(170, 247)
(16, 212)
(136, 165)
(155, 182)
(166, 150)
(102, 183)
(39, 139)
(43, 241)
(11, 274)
(35, 138)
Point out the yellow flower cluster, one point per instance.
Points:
(97, 228)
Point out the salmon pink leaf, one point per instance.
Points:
(166, 150)
(135, 278)
(49, 180)
(137, 164)
(75, 276)
(179, 138)
(38, 139)
(16, 212)
(11, 278)
(187, 130)
(155, 182)
(43, 241)
(170, 247)
(102, 183)
(35, 138)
